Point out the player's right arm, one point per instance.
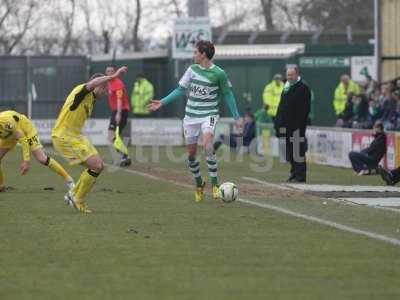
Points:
(177, 93)
(92, 84)
(95, 82)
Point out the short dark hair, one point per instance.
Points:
(95, 75)
(206, 47)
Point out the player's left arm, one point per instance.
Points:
(229, 98)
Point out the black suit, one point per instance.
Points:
(290, 123)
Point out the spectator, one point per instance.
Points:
(360, 112)
(249, 133)
(347, 115)
(396, 121)
(367, 159)
(374, 112)
(272, 94)
(261, 115)
(389, 107)
(142, 94)
(291, 123)
(370, 86)
(345, 90)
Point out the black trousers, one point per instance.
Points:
(296, 148)
(361, 161)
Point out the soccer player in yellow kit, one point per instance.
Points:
(68, 139)
(17, 128)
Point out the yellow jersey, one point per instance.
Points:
(76, 110)
(11, 122)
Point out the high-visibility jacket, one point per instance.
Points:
(340, 98)
(272, 96)
(142, 94)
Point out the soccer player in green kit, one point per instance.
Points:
(205, 84)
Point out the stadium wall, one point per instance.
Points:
(326, 145)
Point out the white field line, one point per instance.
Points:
(346, 228)
(269, 184)
(338, 200)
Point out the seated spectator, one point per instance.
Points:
(370, 86)
(367, 159)
(396, 118)
(360, 112)
(374, 112)
(389, 107)
(249, 133)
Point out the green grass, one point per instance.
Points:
(148, 240)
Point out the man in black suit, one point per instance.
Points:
(368, 159)
(291, 122)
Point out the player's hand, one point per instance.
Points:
(239, 126)
(118, 118)
(154, 105)
(25, 166)
(120, 71)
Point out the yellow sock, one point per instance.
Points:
(85, 184)
(56, 167)
(1, 177)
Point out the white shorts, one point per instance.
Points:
(193, 128)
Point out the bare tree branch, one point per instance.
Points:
(68, 24)
(267, 11)
(136, 44)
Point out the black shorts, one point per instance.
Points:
(122, 123)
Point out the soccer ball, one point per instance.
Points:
(229, 192)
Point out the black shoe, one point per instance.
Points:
(291, 178)
(298, 180)
(386, 176)
(125, 162)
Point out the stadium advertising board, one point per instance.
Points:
(187, 31)
(95, 130)
(156, 132)
(324, 62)
(361, 66)
(329, 147)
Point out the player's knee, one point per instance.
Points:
(208, 147)
(192, 152)
(42, 158)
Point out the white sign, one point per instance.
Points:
(187, 32)
(95, 130)
(156, 132)
(329, 147)
(361, 66)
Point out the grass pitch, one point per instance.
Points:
(147, 239)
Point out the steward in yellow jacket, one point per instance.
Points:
(272, 95)
(344, 90)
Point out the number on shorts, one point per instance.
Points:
(212, 121)
(33, 140)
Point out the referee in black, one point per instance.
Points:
(291, 122)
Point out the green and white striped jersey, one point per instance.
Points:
(205, 90)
